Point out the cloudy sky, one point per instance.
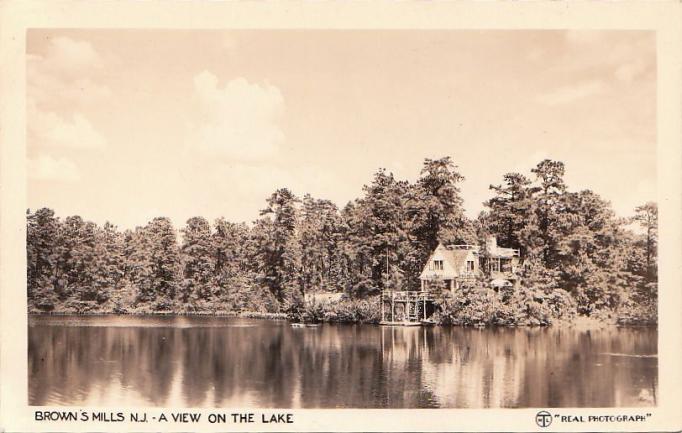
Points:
(127, 125)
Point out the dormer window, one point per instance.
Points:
(438, 265)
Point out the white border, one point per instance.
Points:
(17, 16)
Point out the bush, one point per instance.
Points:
(80, 307)
(481, 305)
(469, 306)
(119, 308)
(163, 304)
(343, 311)
(638, 313)
(46, 304)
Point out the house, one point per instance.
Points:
(455, 265)
(499, 263)
(451, 266)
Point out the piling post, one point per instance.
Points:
(392, 306)
(382, 306)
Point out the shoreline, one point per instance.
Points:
(232, 314)
(578, 323)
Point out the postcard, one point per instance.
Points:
(231, 216)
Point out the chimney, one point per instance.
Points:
(491, 244)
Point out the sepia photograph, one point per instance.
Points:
(342, 218)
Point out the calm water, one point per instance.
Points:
(211, 362)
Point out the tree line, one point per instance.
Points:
(569, 241)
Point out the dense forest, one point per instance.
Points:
(578, 257)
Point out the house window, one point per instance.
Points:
(470, 266)
(438, 265)
(506, 266)
(496, 265)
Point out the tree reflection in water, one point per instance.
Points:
(219, 362)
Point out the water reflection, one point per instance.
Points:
(211, 362)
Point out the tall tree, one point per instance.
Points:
(356, 250)
(138, 265)
(107, 265)
(42, 229)
(591, 252)
(230, 251)
(435, 211)
(198, 262)
(155, 264)
(436, 205)
(278, 253)
(509, 210)
(384, 210)
(318, 235)
(548, 206)
(647, 217)
(235, 273)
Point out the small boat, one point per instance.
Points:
(304, 325)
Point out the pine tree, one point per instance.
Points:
(109, 263)
(278, 255)
(138, 265)
(42, 258)
(647, 217)
(233, 271)
(509, 210)
(435, 212)
(548, 206)
(199, 262)
(318, 237)
(166, 264)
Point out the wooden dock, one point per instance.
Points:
(406, 308)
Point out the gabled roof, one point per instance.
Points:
(455, 257)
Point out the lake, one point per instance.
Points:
(129, 361)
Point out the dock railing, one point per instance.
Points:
(406, 295)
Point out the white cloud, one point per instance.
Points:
(238, 120)
(60, 91)
(69, 56)
(628, 55)
(571, 93)
(45, 167)
(65, 73)
(52, 130)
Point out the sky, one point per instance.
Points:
(126, 125)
